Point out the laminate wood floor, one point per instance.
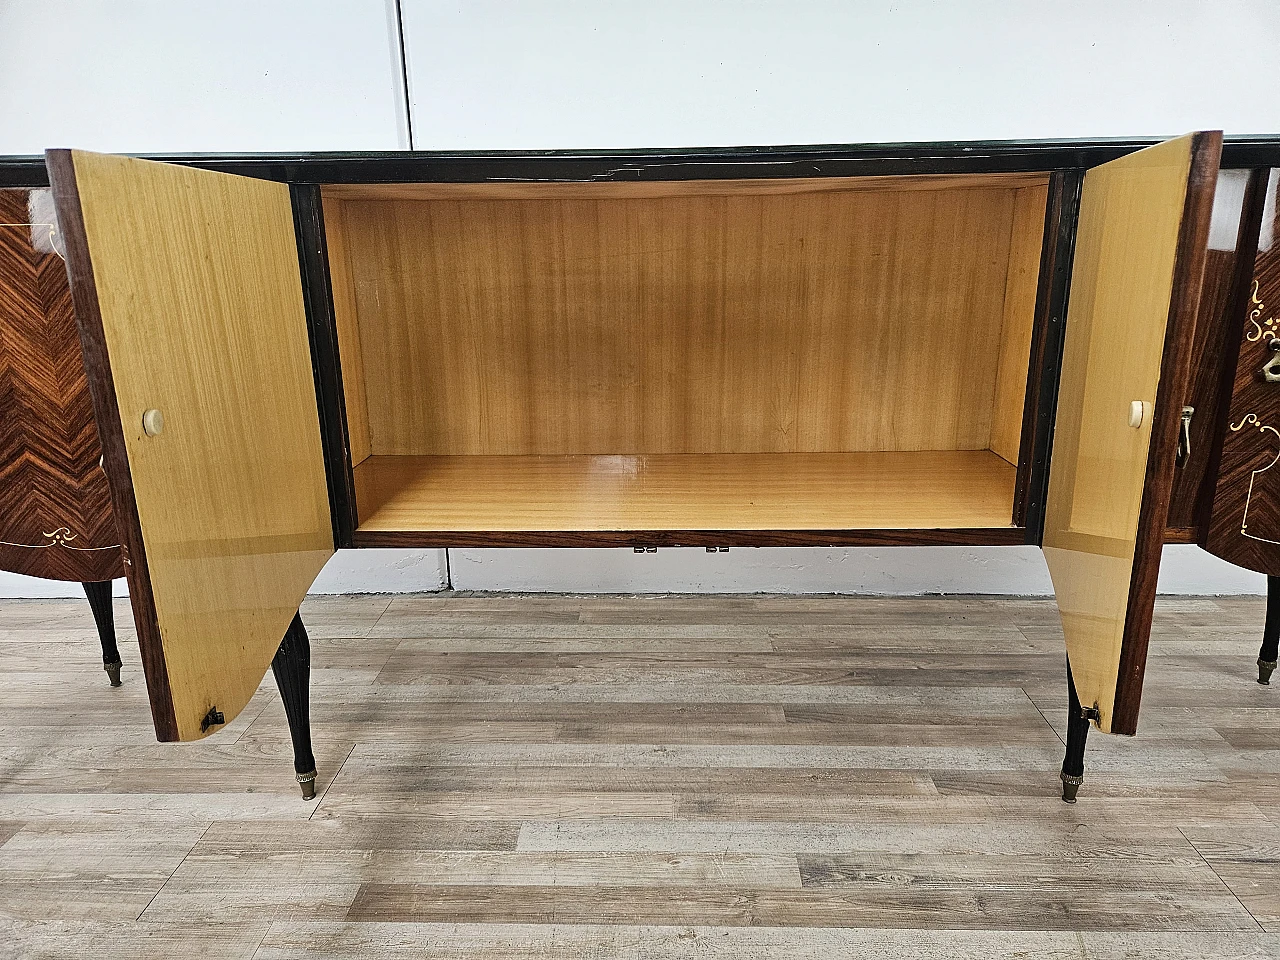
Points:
(711, 777)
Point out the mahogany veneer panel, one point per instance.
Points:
(55, 507)
(826, 317)
(922, 490)
(1245, 523)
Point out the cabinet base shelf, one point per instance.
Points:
(828, 499)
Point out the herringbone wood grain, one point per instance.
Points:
(1245, 525)
(55, 509)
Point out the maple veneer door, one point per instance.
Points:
(189, 301)
(1135, 286)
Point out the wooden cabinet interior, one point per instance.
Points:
(741, 355)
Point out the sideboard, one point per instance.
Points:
(1068, 344)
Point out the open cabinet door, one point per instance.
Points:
(189, 300)
(1135, 288)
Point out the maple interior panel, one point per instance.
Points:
(731, 318)
(837, 319)
(791, 491)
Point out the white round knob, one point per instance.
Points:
(153, 423)
(1137, 413)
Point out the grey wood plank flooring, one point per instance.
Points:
(669, 776)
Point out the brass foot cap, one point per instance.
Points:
(1070, 787)
(1265, 669)
(113, 672)
(307, 781)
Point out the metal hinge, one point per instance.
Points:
(644, 549)
(1184, 436)
(1091, 713)
(211, 719)
(717, 549)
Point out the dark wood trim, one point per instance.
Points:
(1175, 375)
(986, 536)
(1230, 335)
(1035, 359)
(322, 331)
(115, 457)
(1041, 406)
(1180, 534)
(700, 163)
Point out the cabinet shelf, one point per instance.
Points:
(918, 490)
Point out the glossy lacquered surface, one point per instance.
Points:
(194, 278)
(659, 164)
(1139, 258)
(1245, 523)
(711, 492)
(55, 508)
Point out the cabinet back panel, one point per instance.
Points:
(823, 321)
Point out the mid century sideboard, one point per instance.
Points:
(1069, 344)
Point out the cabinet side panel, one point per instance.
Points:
(1020, 289)
(55, 507)
(346, 320)
(1244, 525)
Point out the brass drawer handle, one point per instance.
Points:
(1271, 369)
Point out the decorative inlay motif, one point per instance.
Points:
(1251, 420)
(1256, 308)
(61, 537)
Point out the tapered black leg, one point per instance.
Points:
(1270, 632)
(99, 595)
(1077, 733)
(292, 668)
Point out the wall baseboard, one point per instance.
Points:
(887, 571)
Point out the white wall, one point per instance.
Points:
(143, 75)
(580, 73)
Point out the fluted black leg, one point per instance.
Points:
(1270, 632)
(292, 668)
(1077, 733)
(99, 595)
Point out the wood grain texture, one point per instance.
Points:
(55, 507)
(115, 458)
(1021, 285)
(661, 189)
(1052, 296)
(344, 315)
(196, 279)
(1135, 277)
(1166, 426)
(742, 492)
(1244, 526)
(1214, 350)
(882, 537)
(890, 814)
(834, 319)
